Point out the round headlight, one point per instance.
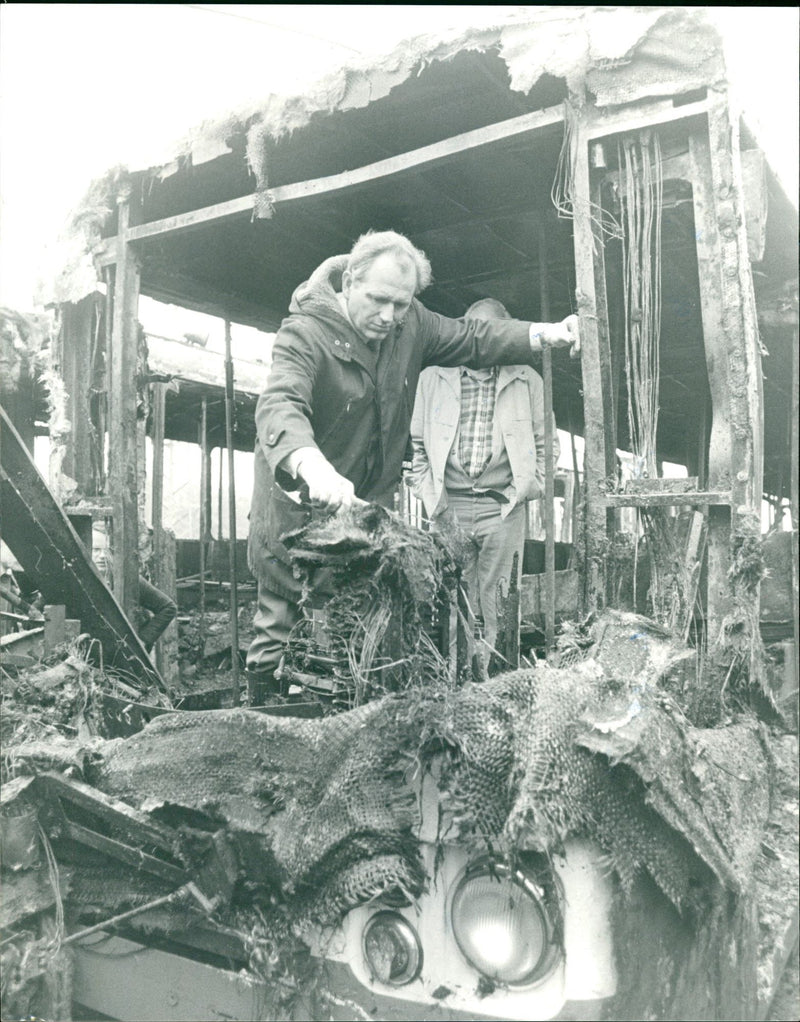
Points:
(502, 925)
(391, 949)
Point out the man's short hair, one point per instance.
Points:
(377, 243)
(487, 308)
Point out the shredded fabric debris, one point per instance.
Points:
(371, 587)
(324, 810)
(323, 813)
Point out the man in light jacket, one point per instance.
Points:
(334, 418)
(478, 443)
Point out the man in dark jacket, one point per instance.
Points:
(334, 418)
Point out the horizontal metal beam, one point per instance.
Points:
(601, 122)
(194, 218)
(135, 857)
(134, 824)
(418, 158)
(647, 114)
(661, 499)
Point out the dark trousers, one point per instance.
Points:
(489, 554)
(162, 608)
(273, 620)
(276, 615)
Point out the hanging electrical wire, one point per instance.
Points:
(674, 543)
(641, 187)
(562, 191)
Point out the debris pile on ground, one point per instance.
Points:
(776, 871)
(371, 588)
(204, 640)
(321, 814)
(267, 825)
(50, 700)
(65, 696)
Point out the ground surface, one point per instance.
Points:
(777, 879)
(786, 1004)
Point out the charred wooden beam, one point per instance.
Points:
(131, 824)
(426, 156)
(163, 541)
(158, 400)
(739, 315)
(720, 438)
(691, 498)
(599, 122)
(735, 457)
(645, 114)
(75, 368)
(41, 538)
(549, 462)
(123, 461)
(596, 372)
(132, 856)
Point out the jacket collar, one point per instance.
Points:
(451, 375)
(318, 297)
(507, 374)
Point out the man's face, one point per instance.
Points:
(380, 298)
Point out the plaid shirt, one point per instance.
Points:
(478, 390)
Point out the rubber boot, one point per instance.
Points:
(261, 685)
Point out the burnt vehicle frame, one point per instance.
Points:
(478, 201)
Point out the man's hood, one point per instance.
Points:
(318, 296)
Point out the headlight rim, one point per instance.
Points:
(411, 941)
(552, 952)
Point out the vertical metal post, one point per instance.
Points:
(465, 632)
(598, 452)
(207, 492)
(234, 603)
(123, 474)
(730, 340)
(719, 437)
(75, 355)
(159, 400)
(510, 649)
(219, 495)
(793, 501)
(101, 381)
(203, 510)
(576, 485)
(566, 516)
(549, 466)
(445, 604)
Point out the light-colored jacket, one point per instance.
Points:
(519, 412)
